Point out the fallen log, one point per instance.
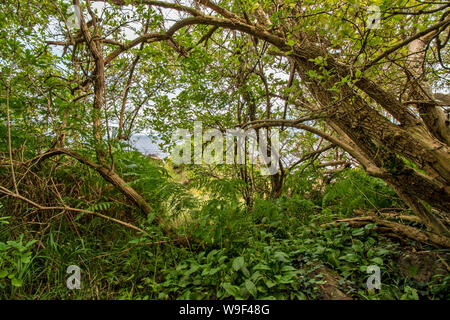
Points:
(391, 214)
(398, 229)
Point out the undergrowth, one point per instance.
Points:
(276, 249)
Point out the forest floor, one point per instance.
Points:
(286, 248)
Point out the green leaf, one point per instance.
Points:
(238, 263)
(269, 283)
(382, 252)
(262, 266)
(214, 270)
(250, 286)
(358, 232)
(16, 282)
(350, 257)
(231, 289)
(288, 268)
(377, 260)
(281, 256)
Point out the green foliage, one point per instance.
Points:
(273, 251)
(15, 257)
(154, 182)
(243, 243)
(267, 274)
(354, 189)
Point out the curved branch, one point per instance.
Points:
(65, 208)
(106, 172)
(148, 38)
(434, 27)
(295, 124)
(161, 4)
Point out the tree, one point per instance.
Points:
(370, 77)
(370, 114)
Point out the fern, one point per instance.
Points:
(100, 206)
(355, 189)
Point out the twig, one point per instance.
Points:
(443, 24)
(65, 208)
(444, 262)
(8, 120)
